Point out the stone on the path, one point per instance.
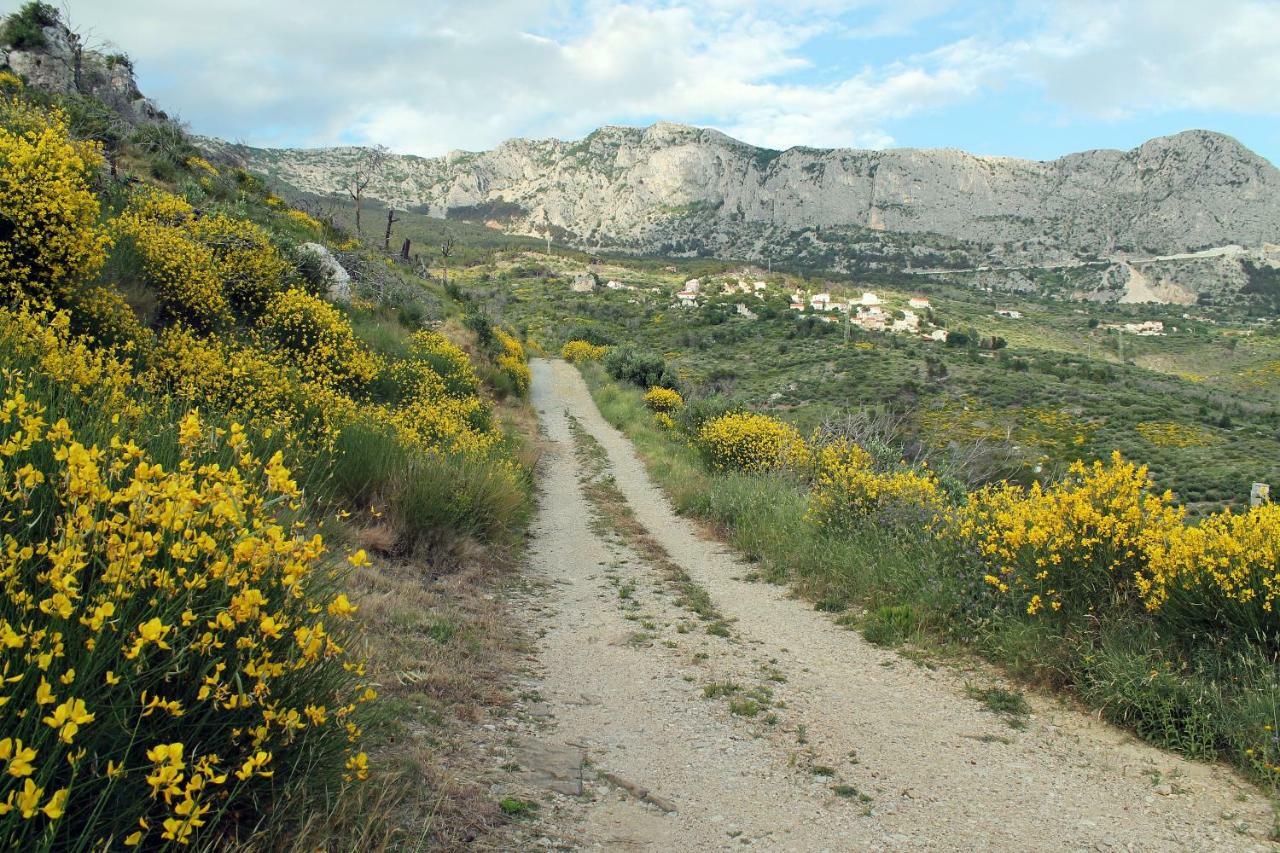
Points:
(553, 766)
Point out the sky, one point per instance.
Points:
(1005, 77)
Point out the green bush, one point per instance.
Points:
(642, 369)
(24, 30)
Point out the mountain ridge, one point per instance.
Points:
(680, 189)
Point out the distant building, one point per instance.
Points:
(693, 285)
(1149, 327)
(1009, 313)
(687, 299)
(919, 303)
(820, 301)
(870, 300)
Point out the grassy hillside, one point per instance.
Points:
(1198, 404)
(235, 512)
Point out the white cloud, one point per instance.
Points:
(1111, 59)
(445, 74)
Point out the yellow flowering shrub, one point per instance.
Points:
(299, 217)
(168, 647)
(512, 362)
(319, 339)
(663, 400)
(48, 214)
(102, 314)
(448, 360)
(749, 441)
(578, 351)
(45, 341)
(225, 377)
(433, 418)
(847, 491)
(664, 420)
(1170, 434)
(247, 266)
(199, 164)
(1224, 571)
(1079, 543)
(182, 271)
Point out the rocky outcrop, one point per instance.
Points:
(337, 279)
(683, 190)
(63, 66)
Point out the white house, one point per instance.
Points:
(1010, 313)
(693, 285)
(688, 298)
(869, 299)
(820, 301)
(919, 303)
(939, 335)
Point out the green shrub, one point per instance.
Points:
(642, 369)
(890, 625)
(24, 29)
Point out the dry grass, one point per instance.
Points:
(440, 651)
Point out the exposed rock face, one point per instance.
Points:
(62, 66)
(339, 280)
(671, 188)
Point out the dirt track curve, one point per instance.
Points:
(822, 741)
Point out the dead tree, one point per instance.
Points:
(392, 219)
(368, 163)
(404, 250)
(446, 249)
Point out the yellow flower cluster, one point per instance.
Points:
(749, 441)
(300, 217)
(1078, 543)
(44, 341)
(223, 376)
(177, 604)
(578, 351)
(513, 363)
(664, 400)
(431, 417)
(1170, 434)
(848, 491)
(1226, 568)
(182, 270)
(51, 238)
(448, 360)
(199, 164)
(319, 338)
(249, 269)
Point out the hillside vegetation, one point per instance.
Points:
(1068, 499)
(205, 465)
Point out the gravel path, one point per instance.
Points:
(810, 739)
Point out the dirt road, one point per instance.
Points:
(792, 733)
